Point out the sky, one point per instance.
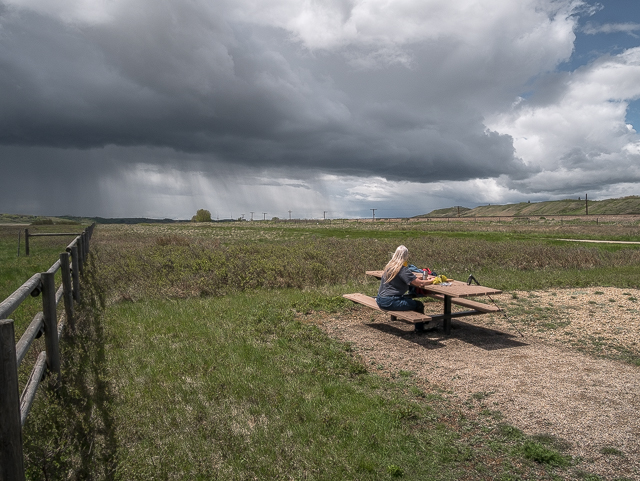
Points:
(314, 108)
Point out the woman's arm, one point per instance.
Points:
(422, 283)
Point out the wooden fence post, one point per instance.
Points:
(75, 272)
(26, 242)
(85, 246)
(50, 321)
(66, 287)
(88, 235)
(11, 457)
(80, 245)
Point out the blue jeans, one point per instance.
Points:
(399, 303)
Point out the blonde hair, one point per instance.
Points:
(392, 268)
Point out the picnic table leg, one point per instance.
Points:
(419, 326)
(447, 314)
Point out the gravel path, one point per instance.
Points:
(553, 381)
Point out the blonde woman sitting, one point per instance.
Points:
(395, 282)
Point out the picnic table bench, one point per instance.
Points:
(413, 317)
(454, 293)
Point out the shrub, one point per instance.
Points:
(202, 215)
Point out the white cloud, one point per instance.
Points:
(630, 28)
(579, 134)
(384, 32)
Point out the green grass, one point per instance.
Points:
(237, 388)
(16, 270)
(191, 363)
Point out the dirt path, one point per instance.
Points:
(599, 241)
(538, 382)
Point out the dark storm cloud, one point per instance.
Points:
(171, 77)
(50, 181)
(345, 102)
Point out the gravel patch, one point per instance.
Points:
(565, 363)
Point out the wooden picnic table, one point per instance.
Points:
(455, 293)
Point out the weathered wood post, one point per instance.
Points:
(80, 245)
(67, 290)
(26, 242)
(50, 321)
(84, 237)
(75, 272)
(89, 232)
(11, 458)
(586, 204)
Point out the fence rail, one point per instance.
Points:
(27, 235)
(14, 407)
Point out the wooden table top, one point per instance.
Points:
(456, 289)
(461, 289)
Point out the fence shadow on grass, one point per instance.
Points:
(74, 431)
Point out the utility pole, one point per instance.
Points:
(586, 205)
(374, 214)
(251, 215)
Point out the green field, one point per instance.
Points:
(191, 360)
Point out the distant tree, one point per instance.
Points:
(202, 215)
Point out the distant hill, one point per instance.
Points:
(38, 220)
(133, 220)
(449, 212)
(73, 220)
(625, 205)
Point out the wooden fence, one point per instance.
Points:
(27, 235)
(14, 407)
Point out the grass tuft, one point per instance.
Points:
(395, 471)
(541, 454)
(609, 450)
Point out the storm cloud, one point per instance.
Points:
(158, 108)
